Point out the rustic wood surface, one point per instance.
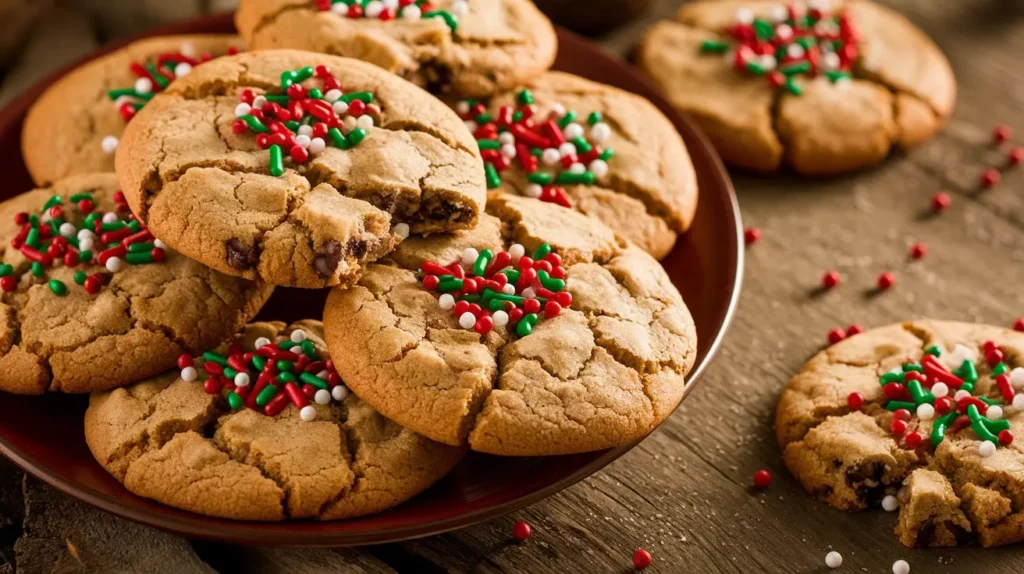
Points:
(683, 493)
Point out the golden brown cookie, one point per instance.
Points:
(180, 441)
(75, 126)
(473, 48)
(583, 348)
(222, 168)
(824, 87)
(121, 317)
(601, 151)
(919, 416)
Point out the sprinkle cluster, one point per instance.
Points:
(487, 290)
(793, 42)
(549, 145)
(290, 372)
(303, 121)
(151, 78)
(391, 9)
(923, 389)
(49, 238)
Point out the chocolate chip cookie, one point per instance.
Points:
(187, 439)
(823, 87)
(919, 416)
(590, 147)
(76, 125)
(92, 301)
(473, 48)
(540, 332)
(297, 168)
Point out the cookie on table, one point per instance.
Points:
(823, 87)
(597, 149)
(921, 415)
(75, 126)
(297, 168)
(585, 343)
(81, 316)
(472, 48)
(260, 442)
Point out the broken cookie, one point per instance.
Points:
(260, 429)
(926, 408)
(824, 87)
(540, 332)
(472, 48)
(297, 168)
(92, 300)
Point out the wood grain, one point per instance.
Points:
(683, 493)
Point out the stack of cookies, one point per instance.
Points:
(489, 232)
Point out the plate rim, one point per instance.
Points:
(206, 529)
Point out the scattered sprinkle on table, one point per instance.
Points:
(836, 335)
(990, 178)
(854, 329)
(1002, 133)
(833, 559)
(1018, 325)
(752, 235)
(918, 250)
(900, 567)
(886, 280)
(521, 530)
(762, 479)
(940, 201)
(641, 559)
(830, 279)
(890, 503)
(1016, 156)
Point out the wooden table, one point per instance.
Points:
(684, 493)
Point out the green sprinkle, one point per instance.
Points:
(525, 97)
(365, 97)
(85, 256)
(526, 324)
(919, 394)
(316, 94)
(979, 426)
(484, 118)
(286, 377)
(714, 47)
(491, 176)
(286, 345)
(308, 348)
(276, 161)
(907, 367)
(141, 247)
(266, 394)
(357, 135)
(58, 287)
(933, 351)
(311, 379)
(215, 358)
(138, 258)
(593, 118)
(38, 269)
(1000, 369)
(254, 124)
(113, 226)
(939, 428)
(542, 251)
(6, 269)
(897, 405)
(234, 401)
(488, 144)
(607, 154)
(284, 365)
(259, 361)
(991, 402)
(338, 138)
(80, 277)
(567, 119)
(795, 68)
(55, 200)
(540, 178)
(512, 274)
(482, 261)
(444, 15)
(967, 371)
(792, 88)
(450, 286)
(32, 239)
(230, 373)
(569, 178)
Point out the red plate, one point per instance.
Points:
(44, 434)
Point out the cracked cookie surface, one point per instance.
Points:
(649, 193)
(602, 373)
(948, 495)
(496, 45)
(133, 328)
(208, 192)
(901, 92)
(64, 130)
(169, 440)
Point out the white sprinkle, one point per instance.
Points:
(296, 349)
(900, 567)
(143, 85)
(768, 61)
(469, 256)
(159, 243)
(577, 168)
(779, 14)
(306, 131)
(533, 190)
(940, 390)
(890, 503)
(833, 559)
(182, 69)
(600, 132)
(506, 138)
(568, 148)
(322, 397)
(340, 108)
(960, 394)
(1018, 401)
(308, 413)
(83, 233)
(86, 244)
(462, 108)
(261, 342)
(470, 125)
(187, 49)
(573, 131)
(332, 95)
(114, 264)
(550, 156)
(557, 110)
(348, 124)
(373, 9)
(259, 101)
(986, 448)
(795, 51)
(516, 250)
(925, 412)
(67, 229)
(460, 8)
(339, 393)
(1017, 377)
(831, 60)
(298, 336)
(109, 144)
(401, 230)
(365, 121)
(340, 8)
(446, 301)
(242, 380)
(598, 167)
(783, 31)
(109, 217)
(994, 412)
(467, 320)
(500, 318)
(242, 109)
(508, 150)
(529, 293)
(189, 374)
(411, 12)
(317, 145)
(323, 374)
(302, 141)
(744, 16)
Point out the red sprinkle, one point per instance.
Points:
(940, 201)
(898, 427)
(830, 279)
(185, 360)
(901, 414)
(855, 401)
(751, 235)
(1018, 325)
(918, 250)
(521, 530)
(641, 559)
(1002, 133)
(762, 478)
(854, 329)
(836, 335)
(1016, 156)
(886, 280)
(990, 177)
(1005, 437)
(913, 439)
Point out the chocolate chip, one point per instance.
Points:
(239, 256)
(356, 247)
(327, 262)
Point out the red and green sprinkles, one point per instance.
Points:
(509, 289)
(551, 146)
(932, 392)
(151, 78)
(269, 377)
(304, 121)
(385, 10)
(50, 238)
(792, 42)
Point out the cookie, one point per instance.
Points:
(586, 343)
(79, 316)
(75, 126)
(921, 416)
(469, 48)
(599, 150)
(186, 439)
(823, 87)
(204, 166)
